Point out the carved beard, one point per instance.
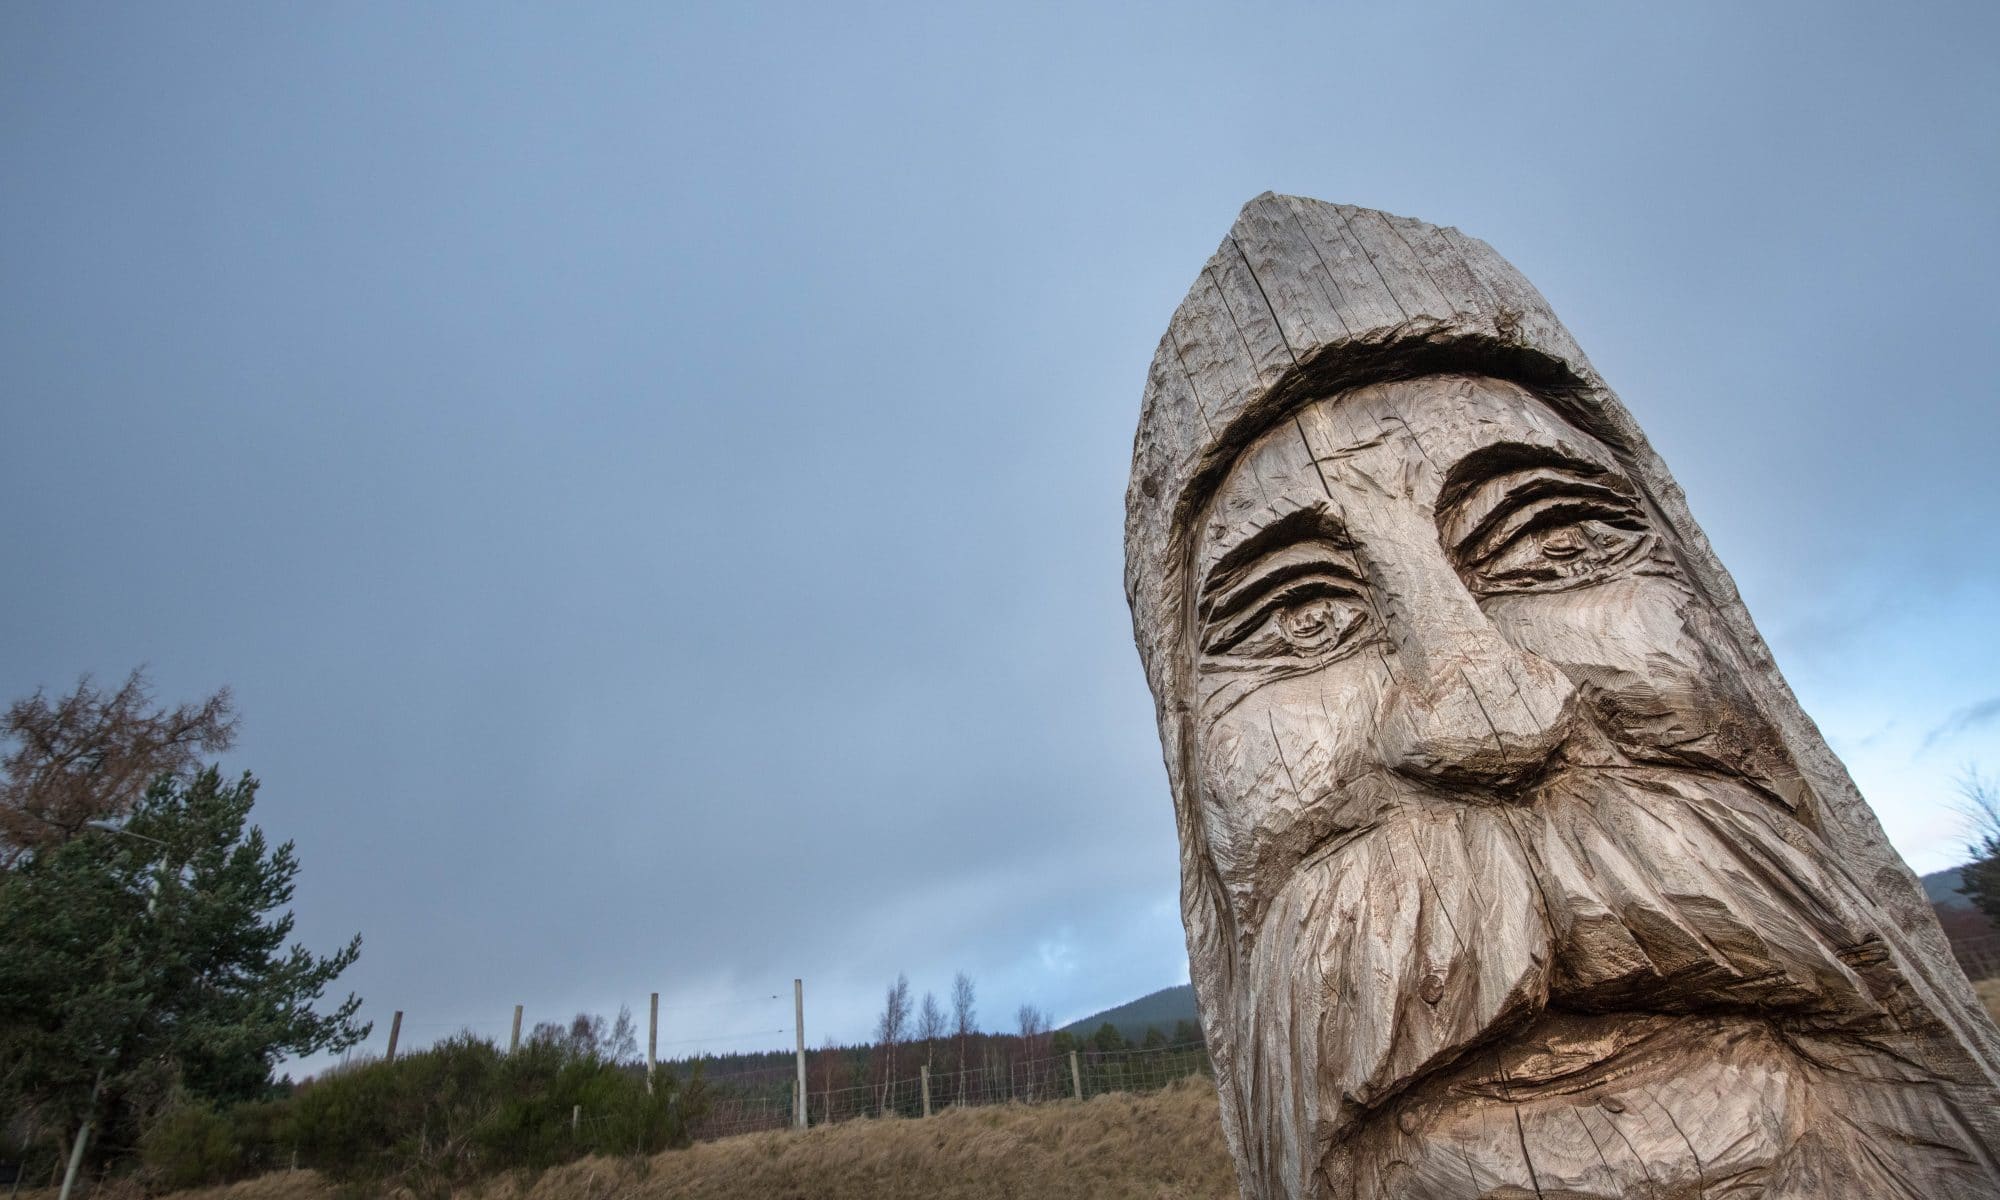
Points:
(1446, 925)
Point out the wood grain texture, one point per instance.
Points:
(1510, 865)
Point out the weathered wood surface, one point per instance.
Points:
(1510, 865)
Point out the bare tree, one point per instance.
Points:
(962, 1001)
(894, 1024)
(1033, 1023)
(622, 1043)
(90, 756)
(930, 1027)
(834, 1071)
(1979, 804)
(1034, 1026)
(580, 1037)
(550, 1033)
(586, 1033)
(893, 1028)
(588, 1036)
(962, 1018)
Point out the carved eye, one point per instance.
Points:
(1311, 618)
(1311, 624)
(1557, 543)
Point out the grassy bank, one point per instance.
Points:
(1163, 1145)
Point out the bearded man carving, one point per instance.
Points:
(1510, 866)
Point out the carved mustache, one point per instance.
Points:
(1447, 924)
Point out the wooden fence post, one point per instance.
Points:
(395, 1031)
(514, 1043)
(799, 1024)
(575, 1119)
(652, 1042)
(924, 1074)
(1075, 1076)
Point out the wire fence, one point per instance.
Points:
(1979, 956)
(843, 1083)
(748, 1104)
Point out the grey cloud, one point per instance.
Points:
(1972, 716)
(653, 474)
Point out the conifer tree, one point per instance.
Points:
(143, 961)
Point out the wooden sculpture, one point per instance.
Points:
(1510, 865)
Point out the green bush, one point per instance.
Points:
(532, 1127)
(190, 1145)
(262, 1131)
(439, 1118)
(432, 1120)
(411, 1116)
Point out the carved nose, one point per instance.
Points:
(1491, 715)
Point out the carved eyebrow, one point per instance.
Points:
(1499, 503)
(1304, 525)
(1270, 575)
(1487, 484)
(1508, 458)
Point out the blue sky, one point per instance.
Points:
(653, 474)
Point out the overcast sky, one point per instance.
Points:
(653, 477)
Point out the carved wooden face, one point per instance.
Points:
(1467, 742)
(1405, 595)
(1510, 867)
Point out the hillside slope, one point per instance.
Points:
(1161, 1010)
(1941, 887)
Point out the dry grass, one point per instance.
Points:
(1164, 1145)
(278, 1185)
(1989, 995)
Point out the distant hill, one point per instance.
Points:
(1161, 1009)
(1941, 887)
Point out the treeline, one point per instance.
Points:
(1108, 1038)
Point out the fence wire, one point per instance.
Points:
(1979, 956)
(763, 1100)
